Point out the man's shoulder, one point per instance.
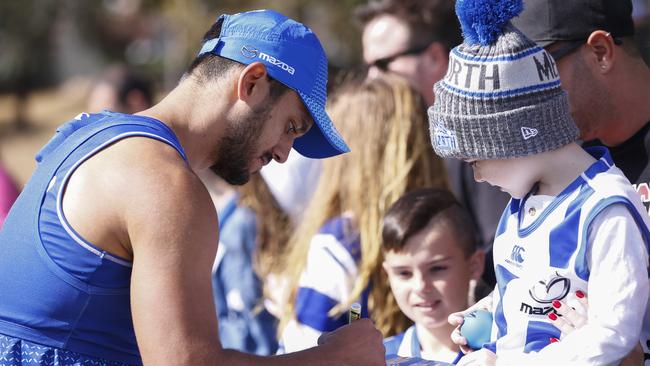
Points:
(139, 169)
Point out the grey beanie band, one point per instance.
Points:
(500, 101)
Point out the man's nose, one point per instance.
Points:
(282, 150)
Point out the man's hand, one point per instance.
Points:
(356, 344)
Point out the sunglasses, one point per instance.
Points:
(566, 49)
(571, 46)
(383, 63)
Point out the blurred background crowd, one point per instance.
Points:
(53, 52)
(59, 58)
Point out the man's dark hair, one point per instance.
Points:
(415, 210)
(428, 20)
(209, 66)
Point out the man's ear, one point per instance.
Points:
(438, 57)
(436, 51)
(601, 45)
(477, 264)
(253, 83)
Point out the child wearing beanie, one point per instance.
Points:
(574, 224)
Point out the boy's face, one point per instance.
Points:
(514, 176)
(430, 276)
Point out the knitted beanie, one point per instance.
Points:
(501, 96)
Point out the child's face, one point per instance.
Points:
(430, 276)
(513, 176)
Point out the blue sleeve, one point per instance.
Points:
(392, 343)
(243, 322)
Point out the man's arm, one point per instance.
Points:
(173, 232)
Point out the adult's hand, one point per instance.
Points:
(358, 343)
(458, 318)
(572, 319)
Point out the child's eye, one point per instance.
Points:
(292, 127)
(403, 274)
(436, 269)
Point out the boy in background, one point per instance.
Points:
(431, 258)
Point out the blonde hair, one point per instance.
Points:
(273, 225)
(384, 123)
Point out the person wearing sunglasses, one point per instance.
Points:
(606, 79)
(412, 39)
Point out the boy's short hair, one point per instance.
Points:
(415, 210)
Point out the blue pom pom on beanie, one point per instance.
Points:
(483, 21)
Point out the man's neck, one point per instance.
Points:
(630, 104)
(197, 120)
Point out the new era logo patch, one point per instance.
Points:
(528, 132)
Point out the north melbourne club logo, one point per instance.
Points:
(528, 132)
(445, 139)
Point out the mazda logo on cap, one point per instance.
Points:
(249, 51)
(555, 288)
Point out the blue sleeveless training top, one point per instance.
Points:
(57, 289)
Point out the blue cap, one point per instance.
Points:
(293, 56)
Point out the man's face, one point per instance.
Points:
(387, 49)
(587, 95)
(264, 133)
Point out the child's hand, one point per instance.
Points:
(482, 357)
(457, 319)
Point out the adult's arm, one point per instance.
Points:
(161, 213)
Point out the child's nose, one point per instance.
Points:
(422, 285)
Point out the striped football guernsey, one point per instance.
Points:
(554, 256)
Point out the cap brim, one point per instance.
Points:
(322, 140)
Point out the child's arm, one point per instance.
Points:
(618, 288)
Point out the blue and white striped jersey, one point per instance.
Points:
(407, 344)
(592, 237)
(327, 281)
